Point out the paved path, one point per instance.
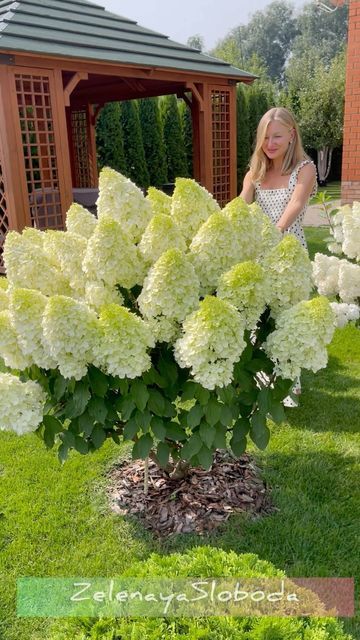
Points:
(315, 216)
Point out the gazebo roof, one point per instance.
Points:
(81, 29)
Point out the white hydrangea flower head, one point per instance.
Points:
(349, 281)
(10, 349)
(345, 313)
(334, 247)
(80, 221)
(214, 249)
(160, 202)
(191, 206)
(160, 235)
(122, 348)
(270, 234)
(4, 299)
(300, 338)
(245, 287)
(67, 251)
(27, 307)
(28, 266)
(247, 222)
(70, 333)
(97, 294)
(351, 232)
(111, 256)
(326, 274)
(21, 404)
(211, 343)
(289, 274)
(122, 200)
(3, 283)
(170, 292)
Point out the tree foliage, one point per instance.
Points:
(173, 138)
(243, 136)
(136, 168)
(186, 128)
(109, 138)
(153, 141)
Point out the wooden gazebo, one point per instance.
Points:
(60, 62)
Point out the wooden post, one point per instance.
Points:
(202, 135)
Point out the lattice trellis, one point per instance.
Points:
(38, 140)
(220, 107)
(80, 141)
(4, 220)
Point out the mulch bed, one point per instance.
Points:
(198, 503)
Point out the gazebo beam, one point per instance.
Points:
(77, 77)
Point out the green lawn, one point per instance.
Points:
(54, 520)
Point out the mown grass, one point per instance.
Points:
(54, 521)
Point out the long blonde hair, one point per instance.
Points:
(260, 163)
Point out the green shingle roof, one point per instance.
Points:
(81, 29)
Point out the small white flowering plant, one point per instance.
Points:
(338, 276)
(165, 322)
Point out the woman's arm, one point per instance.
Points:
(247, 192)
(305, 182)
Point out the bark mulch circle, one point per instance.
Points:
(198, 503)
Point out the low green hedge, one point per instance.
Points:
(205, 562)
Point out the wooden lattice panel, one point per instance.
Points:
(4, 221)
(220, 107)
(80, 140)
(38, 141)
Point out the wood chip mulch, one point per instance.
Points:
(198, 503)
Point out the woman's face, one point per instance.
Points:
(277, 140)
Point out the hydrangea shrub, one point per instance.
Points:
(165, 322)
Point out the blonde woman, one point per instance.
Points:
(282, 178)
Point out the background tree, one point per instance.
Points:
(109, 138)
(243, 135)
(173, 138)
(152, 136)
(136, 168)
(186, 128)
(326, 32)
(196, 42)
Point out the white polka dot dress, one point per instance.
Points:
(274, 201)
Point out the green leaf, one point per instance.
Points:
(201, 394)
(68, 438)
(205, 457)
(220, 437)
(158, 428)
(140, 394)
(248, 397)
(247, 354)
(240, 429)
(99, 382)
(277, 411)
(189, 391)
(282, 387)
(169, 409)
(81, 445)
(126, 406)
(175, 432)
(226, 416)
(60, 387)
(98, 436)
(142, 447)
(263, 400)
(97, 409)
(131, 428)
(191, 447)
(243, 378)
(226, 394)
(52, 427)
(213, 411)
(207, 433)
(259, 432)
(238, 446)
(163, 453)
(143, 419)
(194, 416)
(80, 398)
(63, 452)
(156, 402)
(153, 377)
(168, 369)
(86, 424)
(116, 438)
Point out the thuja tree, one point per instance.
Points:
(173, 138)
(152, 135)
(136, 168)
(109, 138)
(167, 323)
(243, 137)
(187, 131)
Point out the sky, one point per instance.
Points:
(179, 20)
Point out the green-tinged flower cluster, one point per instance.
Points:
(80, 221)
(67, 251)
(288, 271)
(191, 206)
(122, 200)
(211, 343)
(245, 287)
(123, 343)
(21, 404)
(111, 256)
(4, 298)
(97, 294)
(160, 235)
(27, 307)
(160, 203)
(71, 333)
(247, 224)
(170, 292)
(29, 266)
(10, 350)
(300, 338)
